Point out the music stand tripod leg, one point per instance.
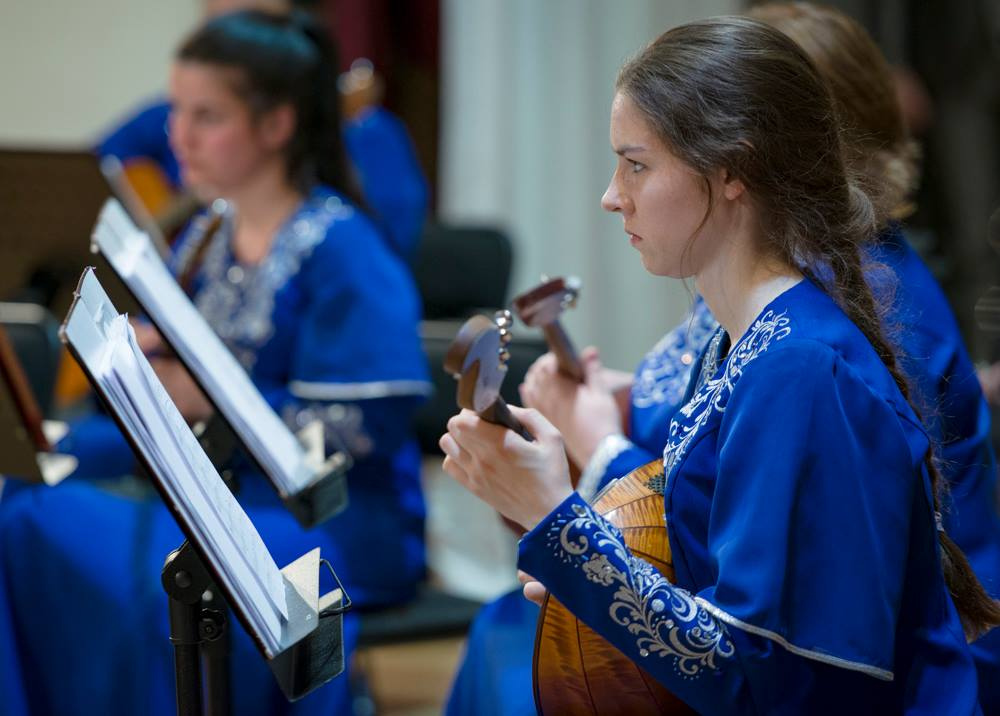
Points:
(192, 626)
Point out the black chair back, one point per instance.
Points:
(34, 333)
(460, 270)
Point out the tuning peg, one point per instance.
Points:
(503, 318)
(504, 356)
(505, 336)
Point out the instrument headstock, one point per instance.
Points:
(545, 303)
(360, 87)
(477, 358)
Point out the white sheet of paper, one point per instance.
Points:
(107, 346)
(134, 258)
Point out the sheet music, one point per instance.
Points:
(134, 258)
(108, 348)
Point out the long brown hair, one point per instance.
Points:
(878, 147)
(736, 93)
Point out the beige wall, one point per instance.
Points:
(71, 68)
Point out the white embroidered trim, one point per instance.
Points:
(358, 391)
(238, 301)
(882, 674)
(664, 373)
(607, 450)
(713, 393)
(664, 619)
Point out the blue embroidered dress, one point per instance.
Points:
(932, 354)
(803, 537)
(326, 326)
(495, 674)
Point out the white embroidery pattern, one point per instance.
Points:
(238, 301)
(665, 371)
(666, 620)
(713, 392)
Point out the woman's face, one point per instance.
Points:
(217, 140)
(662, 201)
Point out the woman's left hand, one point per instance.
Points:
(522, 480)
(182, 389)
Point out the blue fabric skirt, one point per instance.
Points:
(83, 616)
(495, 676)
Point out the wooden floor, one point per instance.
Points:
(470, 553)
(410, 679)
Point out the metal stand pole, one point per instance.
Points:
(194, 626)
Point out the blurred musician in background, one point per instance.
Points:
(378, 146)
(308, 294)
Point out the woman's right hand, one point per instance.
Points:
(149, 339)
(585, 413)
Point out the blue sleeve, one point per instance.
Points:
(368, 428)
(669, 631)
(102, 452)
(392, 181)
(626, 461)
(144, 135)
(357, 363)
(949, 395)
(790, 603)
(614, 457)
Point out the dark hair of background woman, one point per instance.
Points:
(284, 59)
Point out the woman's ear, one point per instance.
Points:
(732, 187)
(277, 126)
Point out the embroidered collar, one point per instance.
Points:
(665, 371)
(237, 299)
(715, 382)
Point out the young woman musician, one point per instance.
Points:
(308, 295)
(931, 349)
(801, 501)
(378, 147)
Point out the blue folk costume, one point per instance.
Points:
(932, 353)
(793, 454)
(326, 327)
(494, 678)
(377, 144)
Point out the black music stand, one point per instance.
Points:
(325, 493)
(25, 451)
(310, 649)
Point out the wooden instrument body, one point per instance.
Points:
(576, 671)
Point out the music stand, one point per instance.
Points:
(318, 489)
(25, 448)
(302, 647)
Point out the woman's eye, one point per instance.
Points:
(636, 166)
(206, 116)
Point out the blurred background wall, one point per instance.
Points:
(69, 70)
(507, 101)
(526, 96)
